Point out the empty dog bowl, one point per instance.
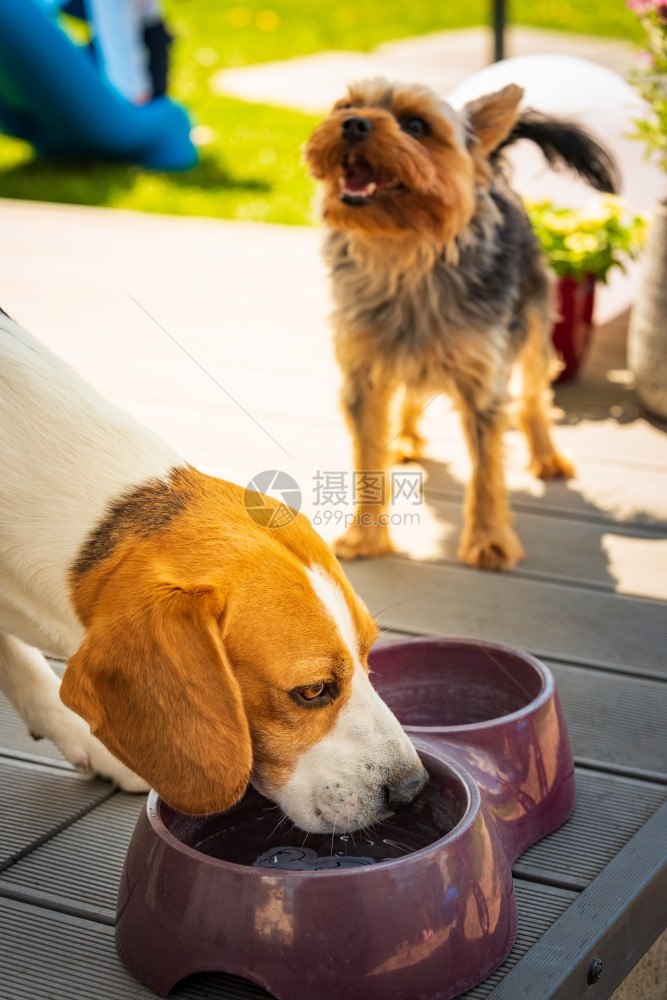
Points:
(494, 710)
(427, 913)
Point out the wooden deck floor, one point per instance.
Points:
(215, 335)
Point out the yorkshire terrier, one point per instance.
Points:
(439, 283)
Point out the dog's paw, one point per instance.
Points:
(105, 765)
(484, 550)
(363, 542)
(552, 466)
(73, 738)
(409, 448)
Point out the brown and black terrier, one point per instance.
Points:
(439, 283)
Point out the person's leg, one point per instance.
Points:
(158, 44)
(118, 37)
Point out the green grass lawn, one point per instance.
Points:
(250, 169)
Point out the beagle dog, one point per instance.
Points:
(205, 650)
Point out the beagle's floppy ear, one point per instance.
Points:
(155, 685)
(493, 116)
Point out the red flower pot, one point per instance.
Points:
(572, 332)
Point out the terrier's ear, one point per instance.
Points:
(493, 116)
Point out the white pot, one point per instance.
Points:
(647, 335)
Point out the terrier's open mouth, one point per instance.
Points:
(361, 183)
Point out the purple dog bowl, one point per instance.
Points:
(495, 711)
(426, 911)
(428, 923)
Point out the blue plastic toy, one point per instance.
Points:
(52, 96)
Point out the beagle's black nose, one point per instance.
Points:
(356, 128)
(406, 789)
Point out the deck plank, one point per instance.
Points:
(60, 956)
(595, 925)
(548, 619)
(614, 720)
(15, 740)
(609, 811)
(79, 869)
(37, 801)
(559, 546)
(539, 907)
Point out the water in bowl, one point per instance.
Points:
(255, 831)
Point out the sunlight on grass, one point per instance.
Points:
(250, 165)
(250, 170)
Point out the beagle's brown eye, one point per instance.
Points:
(315, 695)
(312, 692)
(414, 126)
